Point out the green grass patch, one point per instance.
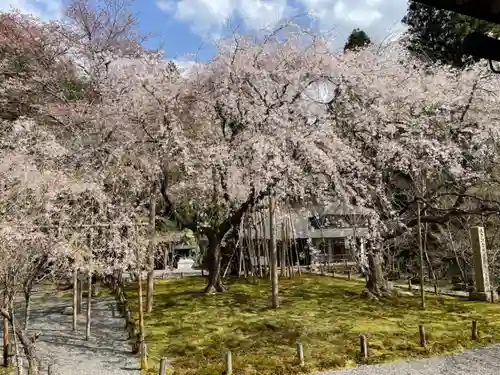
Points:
(326, 314)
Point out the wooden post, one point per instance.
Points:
(6, 342)
(435, 289)
(229, 364)
(273, 254)
(423, 339)
(349, 274)
(163, 366)
(421, 253)
(363, 346)
(474, 330)
(75, 298)
(409, 284)
(89, 299)
(50, 368)
(6, 355)
(300, 353)
(144, 355)
(79, 297)
(142, 344)
(151, 252)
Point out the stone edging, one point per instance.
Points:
(130, 323)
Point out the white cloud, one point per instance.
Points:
(44, 9)
(207, 18)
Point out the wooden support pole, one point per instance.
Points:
(163, 366)
(474, 330)
(89, 303)
(273, 254)
(79, 297)
(75, 298)
(300, 353)
(423, 338)
(229, 364)
(363, 346)
(151, 254)
(6, 343)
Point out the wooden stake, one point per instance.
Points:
(75, 298)
(229, 364)
(89, 299)
(423, 338)
(300, 353)
(474, 330)
(142, 344)
(151, 253)
(421, 253)
(5, 336)
(163, 366)
(363, 346)
(79, 297)
(273, 255)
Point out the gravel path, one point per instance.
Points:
(484, 361)
(108, 351)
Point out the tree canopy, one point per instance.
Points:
(437, 34)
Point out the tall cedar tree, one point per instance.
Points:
(357, 39)
(437, 34)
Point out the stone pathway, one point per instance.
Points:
(483, 361)
(108, 351)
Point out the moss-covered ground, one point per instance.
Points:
(326, 314)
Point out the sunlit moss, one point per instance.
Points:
(326, 314)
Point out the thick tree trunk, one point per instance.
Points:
(213, 264)
(376, 285)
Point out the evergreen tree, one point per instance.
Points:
(437, 34)
(357, 39)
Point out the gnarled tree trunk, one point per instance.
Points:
(376, 285)
(212, 262)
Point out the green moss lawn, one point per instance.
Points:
(326, 314)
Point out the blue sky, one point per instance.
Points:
(189, 26)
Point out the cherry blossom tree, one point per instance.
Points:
(248, 122)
